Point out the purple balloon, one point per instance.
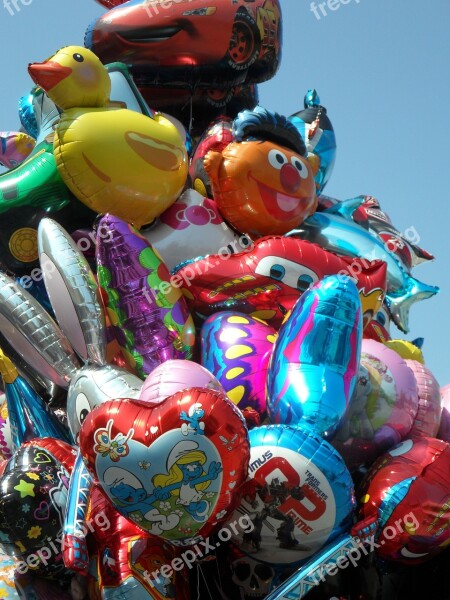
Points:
(428, 418)
(236, 348)
(176, 375)
(444, 429)
(382, 409)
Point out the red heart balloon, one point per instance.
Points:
(174, 469)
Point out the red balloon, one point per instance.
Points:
(128, 560)
(174, 469)
(266, 280)
(408, 489)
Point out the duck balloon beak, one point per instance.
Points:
(47, 75)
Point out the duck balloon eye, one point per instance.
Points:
(78, 57)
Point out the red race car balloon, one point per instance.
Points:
(174, 469)
(408, 489)
(188, 44)
(266, 280)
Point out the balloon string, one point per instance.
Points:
(206, 583)
(191, 115)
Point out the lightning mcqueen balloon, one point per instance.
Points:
(266, 280)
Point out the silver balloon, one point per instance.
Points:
(96, 384)
(73, 292)
(34, 334)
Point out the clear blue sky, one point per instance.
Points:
(381, 69)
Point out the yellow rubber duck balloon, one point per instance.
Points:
(112, 159)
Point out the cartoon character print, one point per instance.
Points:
(187, 479)
(131, 498)
(193, 416)
(116, 448)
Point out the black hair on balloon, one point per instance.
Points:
(261, 124)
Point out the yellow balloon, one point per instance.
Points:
(407, 350)
(112, 159)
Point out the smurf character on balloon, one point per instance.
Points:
(187, 479)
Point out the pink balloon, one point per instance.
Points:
(428, 418)
(173, 376)
(382, 409)
(444, 429)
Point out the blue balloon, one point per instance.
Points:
(345, 237)
(299, 496)
(26, 409)
(316, 129)
(315, 360)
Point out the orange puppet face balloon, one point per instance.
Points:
(261, 187)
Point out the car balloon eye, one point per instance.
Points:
(277, 159)
(277, 272)
(288, 272)
(300, 167)
(304, 282)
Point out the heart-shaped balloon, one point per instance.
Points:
(236, 348)
(174, 469)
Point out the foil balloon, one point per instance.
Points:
(444, 428)
(428, 417)
(407, 489)
(262, 182)
(14, 148)
(94, 384)
(6, 445)
(27, 413)
(8, 587)
(382, 409)
(407, 350)
(32, 505)
(34, 189)
(130, 562)
(27, 115)
(266, 280)
(366, 211)
(174, 469)
(75, 532)
(34, 334)
(216, 137)
(73, 291)
(192, 227)
(299, 496)
(117, 160)
(223, 46)
(172, 376)
(316, 129)
(378, 328)
(236, 348)
(314, 365)
(339, 235)
(150, 317)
